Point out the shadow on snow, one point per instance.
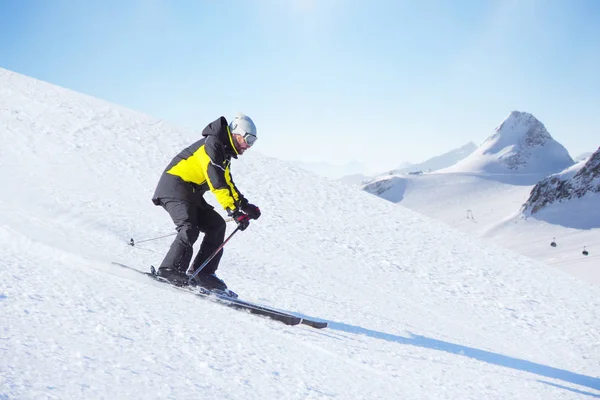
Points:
(477, 354)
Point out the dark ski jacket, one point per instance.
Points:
(201, 167)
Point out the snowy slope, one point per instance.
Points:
(520, 145)
(450, 197)
(417, 310)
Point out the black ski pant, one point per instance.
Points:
(191, 219)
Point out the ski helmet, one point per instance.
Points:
(244, 126)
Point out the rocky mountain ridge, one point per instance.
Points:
(572, 183)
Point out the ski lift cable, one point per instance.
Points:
(570, 261)
(574, 247)
(563, 248)
(525, 244)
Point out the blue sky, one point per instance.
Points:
(381, 82)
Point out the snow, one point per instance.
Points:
(416, 309)
(570, 172)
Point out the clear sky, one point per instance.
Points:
(381, 82)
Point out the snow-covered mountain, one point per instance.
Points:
(415, 309)
(520, 145)
(438, 162)
(432, 164)
(489, 205)
(574, 183)
(381, 184)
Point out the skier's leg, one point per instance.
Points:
(213, 226)
(185, 218)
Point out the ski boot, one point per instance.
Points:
(173, 276)
(212, 284)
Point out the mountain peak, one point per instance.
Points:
(519, 145)
(522, 128)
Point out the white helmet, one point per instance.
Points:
(242, 125)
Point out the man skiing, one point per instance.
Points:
(201, 167)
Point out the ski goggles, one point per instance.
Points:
(250, 139)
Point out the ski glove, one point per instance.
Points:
(242, 220)
(252, 210)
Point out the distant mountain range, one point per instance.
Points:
(334, 171)
(519, 152)
(429, 165)
(438, 162)
(356, 179)
(355, 172)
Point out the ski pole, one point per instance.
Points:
(200, 268)
(133, 242)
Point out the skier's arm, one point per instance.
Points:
(216, 170)
(240, 200)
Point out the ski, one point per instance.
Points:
(230, 299)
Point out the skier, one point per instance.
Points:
(201, 167)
